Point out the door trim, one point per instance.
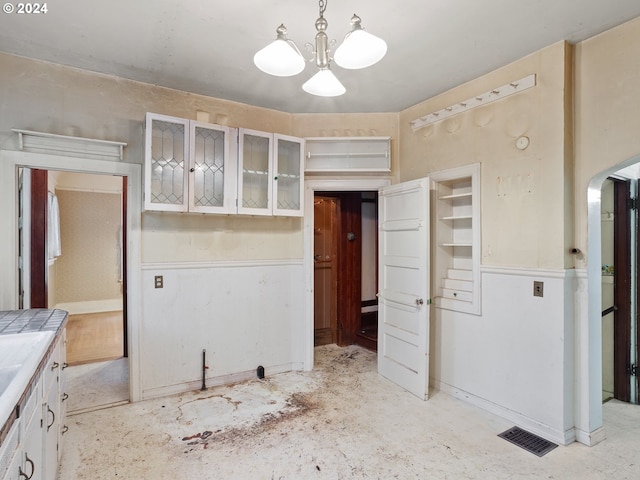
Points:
(9, 162)
(310, 187)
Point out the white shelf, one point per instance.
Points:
(457, 232)
(71, 146)
(456, 195)
(348, 154)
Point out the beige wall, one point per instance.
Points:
(53, 98)
(607, 110)
(89, 267)
(523, 205)
(525, 220)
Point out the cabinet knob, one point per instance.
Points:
(192, 169)
(55, 365)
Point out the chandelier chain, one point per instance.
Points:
(323, 6)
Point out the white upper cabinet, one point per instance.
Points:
(270, 174)
(188, 166)
(288, 167)
(212, 176)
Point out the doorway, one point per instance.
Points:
(345, 268)
(338, 267)
(325, 185)
(79, 235)
(10, 163)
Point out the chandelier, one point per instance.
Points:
(359, 49)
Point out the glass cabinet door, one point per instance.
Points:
(254, 172)
(288, 178)
(167, 153)
(210, 177)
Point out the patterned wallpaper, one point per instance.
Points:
(89, 267)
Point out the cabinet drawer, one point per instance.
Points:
(9, 448)
(32, 409)
(457, 295)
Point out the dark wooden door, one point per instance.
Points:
(38, 277)
(622, 289)
(326, 228)
(349, 262)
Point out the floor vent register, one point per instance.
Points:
(530, 442)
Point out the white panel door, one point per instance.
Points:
(403, 310)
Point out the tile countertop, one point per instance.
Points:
(27, 321)
(32, 320)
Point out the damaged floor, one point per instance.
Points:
(340, 421)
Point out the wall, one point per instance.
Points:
(89, 267)
(524, 223)
(53, 98)
(86, 278)
(607, 116)
(607, 123)
(516, 357)
(525, 236)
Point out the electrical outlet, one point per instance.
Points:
(538, 289)
(159, 281)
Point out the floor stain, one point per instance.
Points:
(296, 405)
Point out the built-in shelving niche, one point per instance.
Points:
(456, 238)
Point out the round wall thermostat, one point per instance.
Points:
(522, 142)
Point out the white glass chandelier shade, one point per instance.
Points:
(281, 57)
(324, 84)
(360, 49)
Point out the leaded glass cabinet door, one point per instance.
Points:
(288, 177)
(255, 172)
(211, 173)
(166, 159)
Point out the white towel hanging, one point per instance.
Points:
(53, 228)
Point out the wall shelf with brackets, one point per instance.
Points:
(347, 154)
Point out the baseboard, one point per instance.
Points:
(91, 306)
(591, 438)
(529, 424)
(212, 382)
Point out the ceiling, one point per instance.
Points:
(207, 47)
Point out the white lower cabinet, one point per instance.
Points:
(31, 466)
(52, 409)
(31, 450)
(10, 454)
